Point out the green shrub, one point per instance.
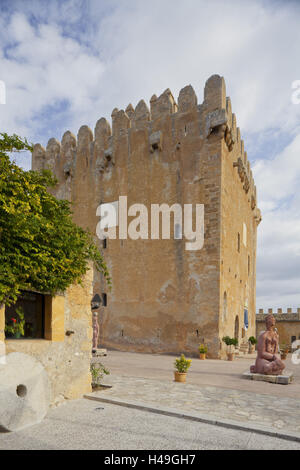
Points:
(202, 349)
(41, 248)
(252, 340)
(182, 364)
(230, 341)
(98, 373)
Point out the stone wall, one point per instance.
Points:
(287, 324)
(66, 353)
(164, 298)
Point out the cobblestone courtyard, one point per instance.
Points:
(214, 388)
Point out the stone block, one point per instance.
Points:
(24, 392)
(285, 379)
(99, 352)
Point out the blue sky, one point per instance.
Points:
(68, 63)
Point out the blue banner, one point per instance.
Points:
(246, 323)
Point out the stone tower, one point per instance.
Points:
(165, 298)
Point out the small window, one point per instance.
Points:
(239, 243)
(104, 243)
(104, 300)
(32, 306)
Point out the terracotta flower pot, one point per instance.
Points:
(230, 356)
(202, 356)
(180, 376)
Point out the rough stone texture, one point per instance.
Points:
(66, 359)
(164, 298)
(288, 324)
(285, 379)
(24, 392)
(254, 409)
(79, 425)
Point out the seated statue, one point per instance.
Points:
(268, 360)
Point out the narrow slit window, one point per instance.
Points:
(104, 300)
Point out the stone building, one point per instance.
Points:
(165, 298)
(287, 324)
(58, 333)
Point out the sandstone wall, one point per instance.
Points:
(165, 298)
(66, 358)
(287, 324)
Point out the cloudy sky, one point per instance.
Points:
(68, 63)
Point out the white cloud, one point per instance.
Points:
(278, 180)
(68, 63)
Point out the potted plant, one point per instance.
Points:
(97, 373)
(15, 327)
(229, 343)
(252, 342)
(202, 351)
(284, 349)
(181, 365)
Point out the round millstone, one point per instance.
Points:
(24, 392)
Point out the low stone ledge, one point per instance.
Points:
(99, 352)
(285, 379)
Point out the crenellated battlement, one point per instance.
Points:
(95, 151)
(280, 315)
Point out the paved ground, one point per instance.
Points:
(84, 424)
(217, 403)
(215, 389)
(210, 372)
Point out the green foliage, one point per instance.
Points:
(230, 341)
(40, 246)
(202, 349)
(252, 340)
(227, 340)
(16, 325)
(98, 373)
(182, 364)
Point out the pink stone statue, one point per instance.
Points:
(95, 330)
(268, 360)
